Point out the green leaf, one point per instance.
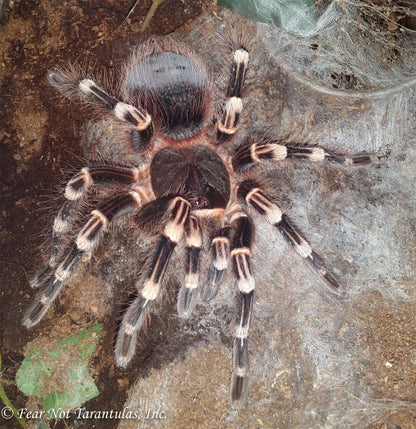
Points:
(297, 16)
(58, 372)
(42, 425)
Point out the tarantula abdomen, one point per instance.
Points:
(173, 89)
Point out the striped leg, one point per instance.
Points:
(61, 225)
(257, 199)
(80, 183)
(75, 191)
(150, 290)
(251, 153)
(220, 250)
(188, 292)
(67, 85)
(227, 126)
(240, 254)
(85, 242)
(54, 280)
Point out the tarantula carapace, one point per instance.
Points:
(193, 178)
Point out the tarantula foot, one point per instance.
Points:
(41, 305)
(125, 345)
(42, 276)
(361, 159)
(186, 301)
(209, 292)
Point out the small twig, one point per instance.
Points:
(129, 13)
(9, 406)
(147, 19)
(150, 13)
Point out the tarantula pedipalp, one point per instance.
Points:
(196, 185)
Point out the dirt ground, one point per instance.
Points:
(40, 136)
(40, 143)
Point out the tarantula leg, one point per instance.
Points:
(188, 292)
(227, 126)
(240, 254)
(257, 199)
(317, 153)
(61, 225)
(56, 281)
(67, 85)
(133, 319)
(85, 242)
(44, 273)
(220, 250)
(249, 154)
(302, 247)
(81, 182)
(75, 190)
(244, 307)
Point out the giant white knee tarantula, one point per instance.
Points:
(197, 186)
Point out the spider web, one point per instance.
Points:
(360, 56)
(349, 82)
(357, 51)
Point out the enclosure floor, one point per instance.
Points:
(182, 370)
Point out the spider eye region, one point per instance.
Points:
(174, 90)
(195, 173)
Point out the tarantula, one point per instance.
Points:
(195, 184)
